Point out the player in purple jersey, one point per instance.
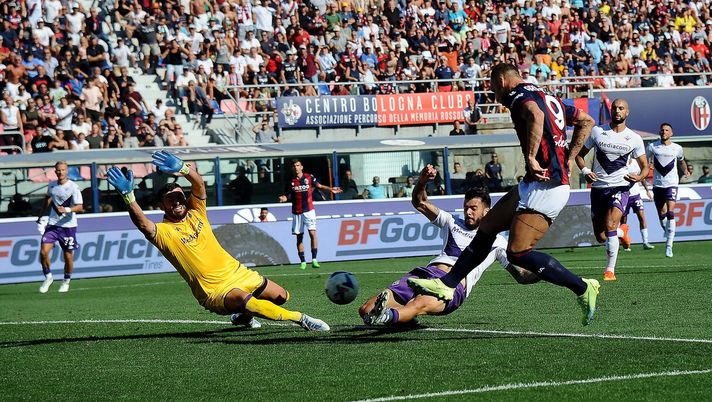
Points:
(65, 200)
(611, 179)
(398, 304)
(528, 210)
(666, 157)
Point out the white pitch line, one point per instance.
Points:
(463, 330)
(539, 384)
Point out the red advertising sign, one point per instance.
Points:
(421, 108)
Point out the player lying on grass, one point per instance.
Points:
(398, 303)
(220, 283)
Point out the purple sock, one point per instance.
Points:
(45, 270)
(670, 215)
(393, 315)
(67, 276)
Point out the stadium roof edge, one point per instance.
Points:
(141, 155)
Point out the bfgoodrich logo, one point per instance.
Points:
(700, 113)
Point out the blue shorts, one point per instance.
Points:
(402, 293)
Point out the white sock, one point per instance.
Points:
(670, 232)
(619, 232)
(612, 244)
(48, 276)
(644, 233)
(663, 223)
(67, 280)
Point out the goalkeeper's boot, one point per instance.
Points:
(313, 324)
(432, 287)
(587, 300)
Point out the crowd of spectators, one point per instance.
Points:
(65, 79)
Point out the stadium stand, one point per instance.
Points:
(218, 59)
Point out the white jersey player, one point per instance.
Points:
(635, 203)
(64, 200)
(665, 156)
(610, 178)
(398, 303)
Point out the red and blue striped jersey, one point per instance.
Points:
(553, 153)
(299, 190)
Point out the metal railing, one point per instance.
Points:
(14, 133)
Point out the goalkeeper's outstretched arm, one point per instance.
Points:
(123, 182)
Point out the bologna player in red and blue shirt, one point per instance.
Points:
(528, 210)
(299, 191)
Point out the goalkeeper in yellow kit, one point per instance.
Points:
(219, 282)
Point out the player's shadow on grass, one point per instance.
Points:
(166, 335)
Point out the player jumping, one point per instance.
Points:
(528, 210)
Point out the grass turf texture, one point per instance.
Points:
(653, 297)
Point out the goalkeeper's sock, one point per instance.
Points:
(269, 310)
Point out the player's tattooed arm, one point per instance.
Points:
(535, 130)
(420, 196)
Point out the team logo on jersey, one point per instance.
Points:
(700, 113)
(291, 113)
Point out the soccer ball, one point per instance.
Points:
(341, 287)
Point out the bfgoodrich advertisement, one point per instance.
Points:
(347, 230)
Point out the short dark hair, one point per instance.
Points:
(480, 193)
(502, 69)
(666, 124)
(264, 209)
(167, 188)
(294, 162)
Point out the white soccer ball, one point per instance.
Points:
(341, 287)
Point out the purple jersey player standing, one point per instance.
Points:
(64, 200)
(665, 156)
(528, 210)
(611, 180)
(398, 304)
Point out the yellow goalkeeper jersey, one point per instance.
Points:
(191, 247)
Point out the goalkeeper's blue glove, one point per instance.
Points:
(169, 163)
(123, 183)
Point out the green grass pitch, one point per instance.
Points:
(145, 338)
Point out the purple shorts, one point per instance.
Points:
(403, 294)
(635, 203)
(603, 199)
(662, 195)
(67, 237)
